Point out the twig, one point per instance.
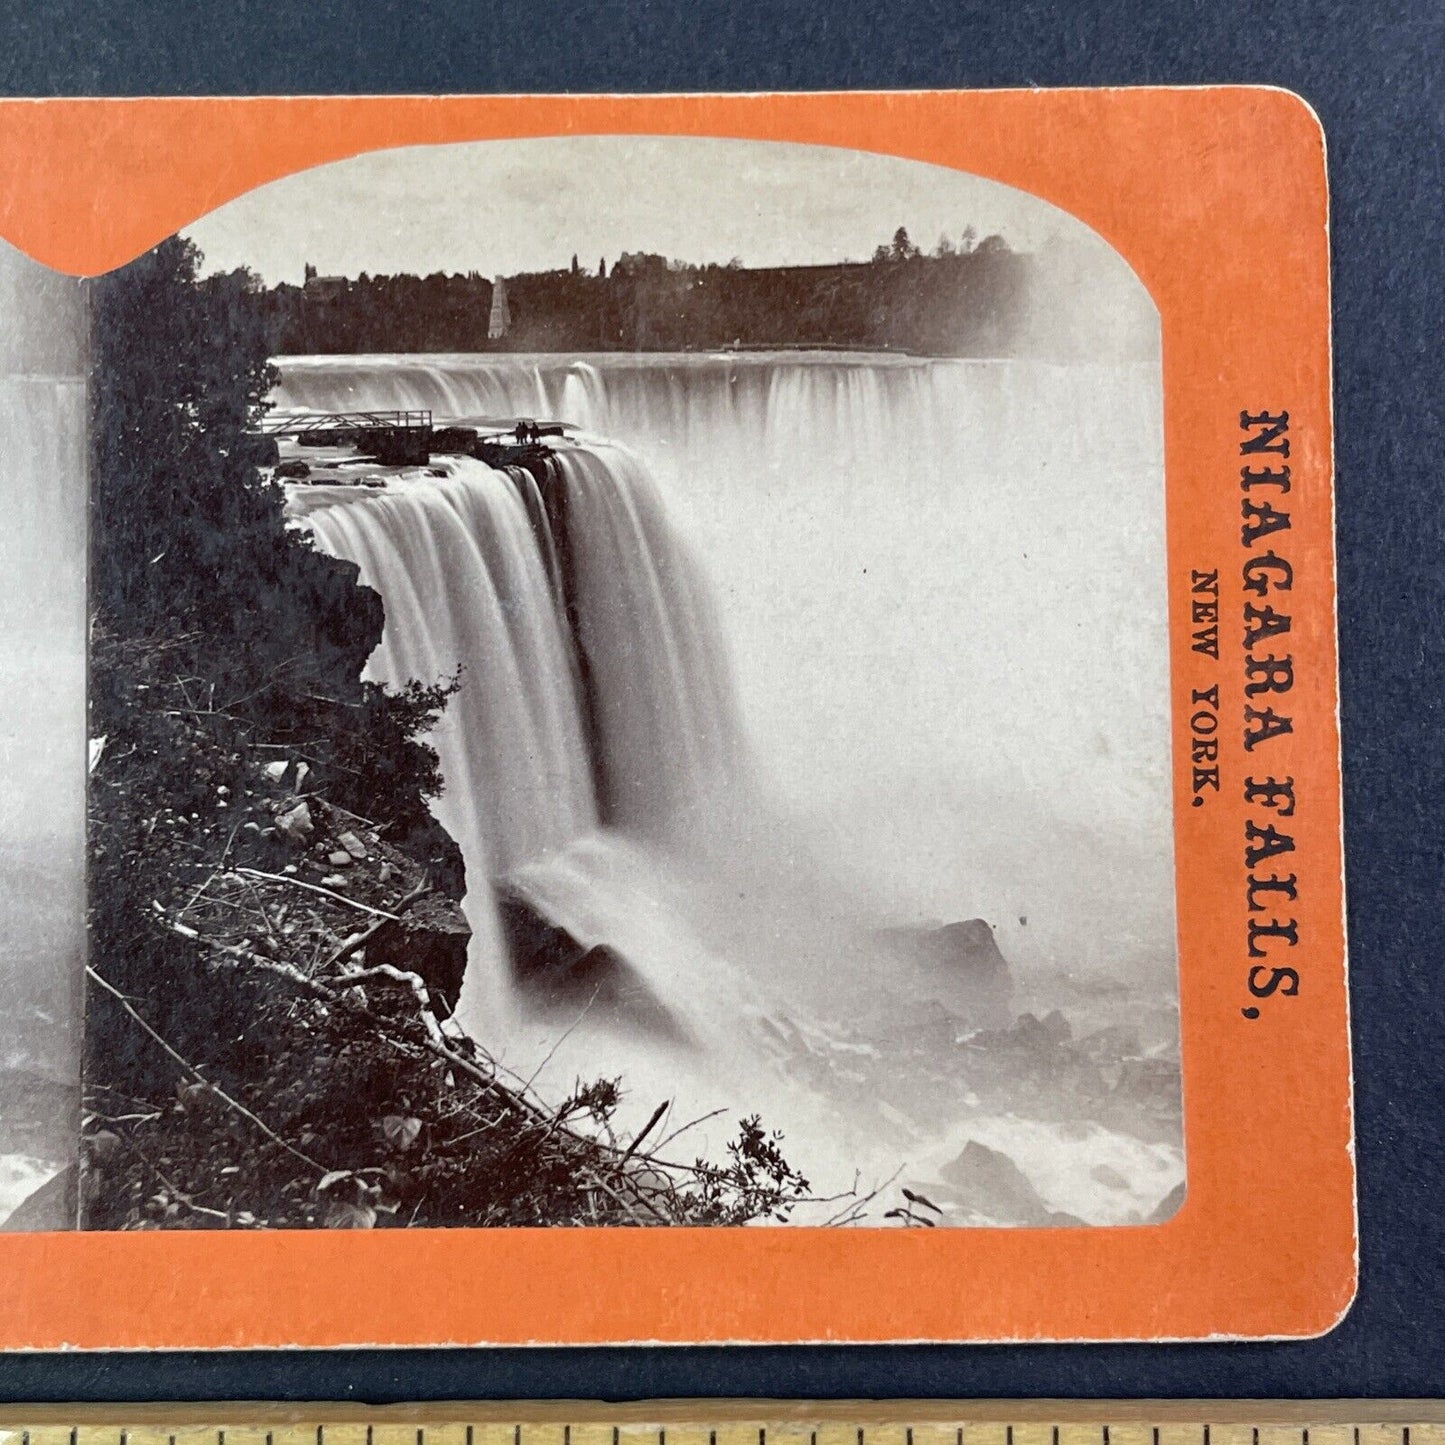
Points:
(413, 981)
(562, 1039)
(682, 1129)
(359, 940)
(190, 1068)
(846, 1216)
(471, 1133)
(170, 1183)
(316, 888)
(598, 1182)
(657, 1113)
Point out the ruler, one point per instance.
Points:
(732, 1422)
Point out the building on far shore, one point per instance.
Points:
(324, 288)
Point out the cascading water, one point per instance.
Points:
(658, 760)
(42, 783)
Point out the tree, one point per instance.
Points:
(967, 241)
(903, 248)
(945, 247)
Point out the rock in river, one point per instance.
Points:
(991, 1184)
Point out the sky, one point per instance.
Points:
(502, 207)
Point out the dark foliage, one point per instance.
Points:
(190, 543)
(967, 301)
(221, 638)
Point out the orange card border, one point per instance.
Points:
(1218, 199)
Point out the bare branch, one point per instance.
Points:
(317, 888)
(191, 1069)
(647, 1128)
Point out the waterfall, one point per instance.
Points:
(774, 651)
(594, 690)
(915, 562)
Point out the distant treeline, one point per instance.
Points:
(964, 301)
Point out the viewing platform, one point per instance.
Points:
(395, 438)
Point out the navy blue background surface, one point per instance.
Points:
(1373, 72)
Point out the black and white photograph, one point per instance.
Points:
(618, 681)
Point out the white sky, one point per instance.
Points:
(500, 207)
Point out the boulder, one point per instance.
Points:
(1150, 1081)
(1109, 1177)
(556, 968)
(1169, 1206)
(295, 824)
(990, 1183)
(430, 939)
(1112, 1043)
(54, 1206)
(1045, 1034)
(968, 955)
